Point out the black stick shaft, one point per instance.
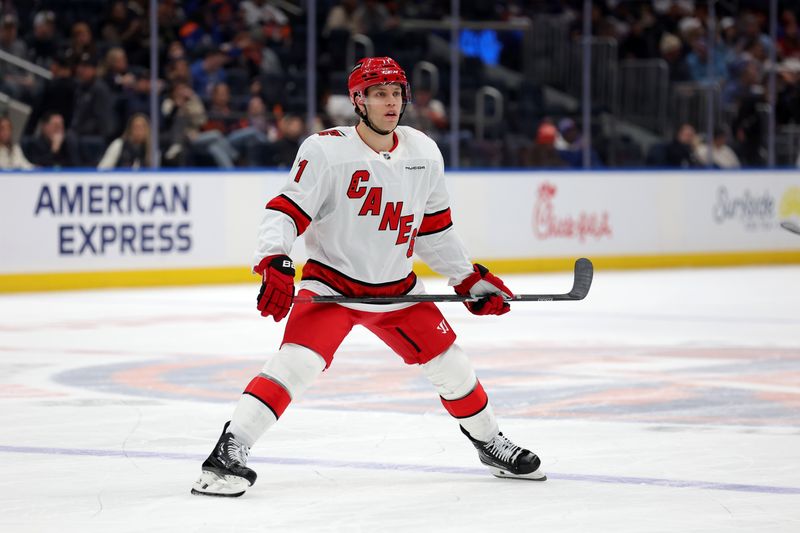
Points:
(584, 272)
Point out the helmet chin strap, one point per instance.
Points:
(369, 124)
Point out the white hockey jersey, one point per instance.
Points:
(365, 214)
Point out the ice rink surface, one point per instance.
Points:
(666, 401)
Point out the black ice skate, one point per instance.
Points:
(506, 459)
(225, 472)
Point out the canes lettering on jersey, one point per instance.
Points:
(390, 212)
(352, 203)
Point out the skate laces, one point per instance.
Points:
(502, 448)
(235, 452)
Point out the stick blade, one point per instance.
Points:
(584, 273)
(791, 226)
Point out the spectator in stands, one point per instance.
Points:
(570, 145)
(680, 152)
(53, 146)
(789, 41)
(178, 71)
(121, 26)
(13, 80)
(208, 71)
(176, 50)
(118, 77)
(285, 149)
(637, 42)
(690, 29)
(256, 134)
(698, 58)
(542, 153)
(258, 120)
(721, 155)
(788, 106)
(748, 127)
(248, 55)
(58, 94)
(755, 51)
(744, 83)
(137, 98)
(671, 49)
(220, 115)
(9, 37)
(132, 150)
(220, 101)
(426, 114)
(11, 156)
(184, 114)
(339, 109)
(170, 16)
(729, 37)
(258, 12)
(116, 73)
(743, 97)
(269, 21)
(43, 43)
(373, 18)
(214, 144)
(81, 42)
(340, 17)
(93, 115)
(750, 31)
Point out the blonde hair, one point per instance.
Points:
(127, 134)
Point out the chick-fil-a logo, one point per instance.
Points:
(547, 224)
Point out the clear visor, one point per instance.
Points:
(390, 93)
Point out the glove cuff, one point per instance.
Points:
(282, 263)
(478, 271)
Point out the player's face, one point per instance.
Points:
(383, 103)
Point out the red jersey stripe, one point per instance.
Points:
(435, 222)
(286, 206)
(314, 270)
(270, 393)
(470, 405)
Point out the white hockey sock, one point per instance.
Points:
(452, 376)
(482, 426)
(285, 377)
(250, 420)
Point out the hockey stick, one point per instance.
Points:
(584, 271)
(791, 226)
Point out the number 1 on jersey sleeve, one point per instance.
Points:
(301, 168)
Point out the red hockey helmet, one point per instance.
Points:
(376, 71)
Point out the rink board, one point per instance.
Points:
(70, 230)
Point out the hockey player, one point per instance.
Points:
(367, 198)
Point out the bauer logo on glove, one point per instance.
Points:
(277, 286)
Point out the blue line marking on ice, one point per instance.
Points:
(364, 465)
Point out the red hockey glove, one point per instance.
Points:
(277, 286)
(491, 288)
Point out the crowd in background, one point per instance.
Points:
(677, 31)
(231, 82)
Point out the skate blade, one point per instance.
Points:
(212, 484)
(536, 475)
